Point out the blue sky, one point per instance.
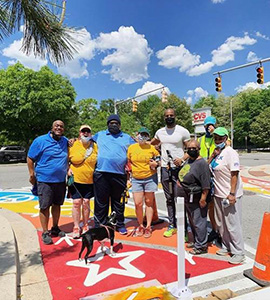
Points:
(133, 46)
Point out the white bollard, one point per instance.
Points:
(181, 291)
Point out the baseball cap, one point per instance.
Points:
(113, 117)
(210, 120)
(85, 126)
(221, 131)
(144, 130)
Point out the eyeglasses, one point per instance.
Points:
(86, 130)
(192, 148)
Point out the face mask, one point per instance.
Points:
(169, 120)
(193, 153)
(113, 128)
(221, 145)
(85, 139)
(142, 138)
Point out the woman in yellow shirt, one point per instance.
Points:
(82, 159)
(144, 162)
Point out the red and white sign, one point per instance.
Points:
(198, 117)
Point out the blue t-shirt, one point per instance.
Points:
(50, 157)
(112, 151)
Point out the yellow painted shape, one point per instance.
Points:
(142, 293)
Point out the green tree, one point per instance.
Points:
(30, 101)
(144, 109)
(260, 129)
(43, 32)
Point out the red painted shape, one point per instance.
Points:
(67, 282)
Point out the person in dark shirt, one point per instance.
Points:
(194, 177)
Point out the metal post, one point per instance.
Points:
(115, 107)
(181, 291)
(231, 123)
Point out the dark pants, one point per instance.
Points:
(109, 186)
(170, 197)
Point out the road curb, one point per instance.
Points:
(31, 280)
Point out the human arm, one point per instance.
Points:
(202, 201)
(234, 179)
(31, 170)
(154, 141)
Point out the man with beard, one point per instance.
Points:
(47, 164)
(110, 177)
(173, 139)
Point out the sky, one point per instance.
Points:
(130, 47)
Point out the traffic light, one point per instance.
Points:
(218, 84)
(164, 96)
(134, 105)
(260, 75)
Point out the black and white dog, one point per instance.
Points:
(101, 234)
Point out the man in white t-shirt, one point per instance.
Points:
(228, 194)
(172, 139)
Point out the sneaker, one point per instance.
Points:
(139, 231)
(85, 228)
(170, 231)
(147, 232)
(76, 233)
(56, 231)
(122, 230)
(222, 252)
(46, 238)
(237, 259)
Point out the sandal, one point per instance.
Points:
(139, 231)
(147, 232)
(76, 233)
(85, 228)
(198, 251)
(190, 245)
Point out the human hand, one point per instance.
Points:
(202, 203)
(69, 173)
(71, 142)
(153, 164)
(32, 179)
(178, 161)
(232, 199)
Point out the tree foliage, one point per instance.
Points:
(30, 101)
(260, 129)
(43, 33)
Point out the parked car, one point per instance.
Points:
(8, 153)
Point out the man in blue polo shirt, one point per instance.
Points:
(110, 177)
(47, 164)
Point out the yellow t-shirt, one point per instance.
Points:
(82, 169)
(139, 156)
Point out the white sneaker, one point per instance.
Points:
(222, 252)
(237, 259)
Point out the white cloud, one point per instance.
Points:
(194, 95)
(262, 36)
(251, 57)
(77, 67)
(177, 57)
(200, 69)
(180, 57)
(29, 61)
(225, 52)
(217, 1)
(129, 54)
(252, 85)
(150, 86)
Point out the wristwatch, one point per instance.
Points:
(233, 194)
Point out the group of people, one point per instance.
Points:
(100, 166)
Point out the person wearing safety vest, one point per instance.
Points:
(207, 141)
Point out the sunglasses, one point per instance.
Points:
(85, 130)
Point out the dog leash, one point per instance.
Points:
(108, 231)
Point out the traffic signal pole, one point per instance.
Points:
(133, 98)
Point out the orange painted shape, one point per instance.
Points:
(261, 268)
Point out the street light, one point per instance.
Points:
(231, 113)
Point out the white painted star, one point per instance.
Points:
(68, 239)
(188, 256)
(94, 276)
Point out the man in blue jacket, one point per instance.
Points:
(110, 177)
(47, 164)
